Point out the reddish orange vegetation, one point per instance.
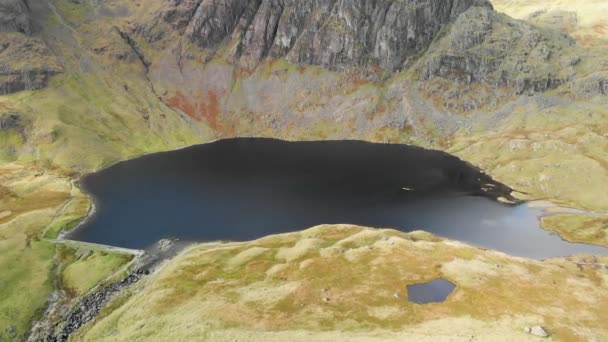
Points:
(180, 102)
(600, 28)
(585, 40)
(301, 69)
(206, 108)
(360, 81)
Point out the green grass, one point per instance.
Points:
(203, 285)
(90, 121)
(65, 223)
(579, 228)
(31, 266)
(10, 141)
(73, 13)
(86, 272)
(25, 285)
(10, 138)
(558, 153)
(26, 279)
(72, 214)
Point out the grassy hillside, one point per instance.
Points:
(346, 282)
(558, 153)
(35, 204)
(579, 228)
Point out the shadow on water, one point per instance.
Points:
(242, 189)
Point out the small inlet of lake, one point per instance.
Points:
(243, 189)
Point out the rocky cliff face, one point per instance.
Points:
(26, 63)
(464, 55)
(338, 35)
(14, 16)
(382, 70)
(510, 57)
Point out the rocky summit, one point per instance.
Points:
(338, 35)
(517, 89)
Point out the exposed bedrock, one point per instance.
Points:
(336, 34)
(487, 47)
(26, 63)
(14, 16)
(461, 54)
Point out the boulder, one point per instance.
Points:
(536, 331)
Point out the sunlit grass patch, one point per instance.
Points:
(579, 228)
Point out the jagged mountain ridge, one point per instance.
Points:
(373, 38)
(334, 34)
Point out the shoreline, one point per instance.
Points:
(545, 207)
(64, 234)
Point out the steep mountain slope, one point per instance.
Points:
(337, 35)
(92, 112)
(482, 72)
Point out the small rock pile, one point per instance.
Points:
(89, 306)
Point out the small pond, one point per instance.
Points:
(435, 291)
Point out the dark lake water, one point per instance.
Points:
(435, 291)
(243, 189)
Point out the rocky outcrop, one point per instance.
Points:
(88, 308)
(12, 81)
(463, 54)
(65, 315)
(14, 16)
(26, 63)
(487, 57)
(490, 48)
(338, 35)
(592, 85)
(11, 121)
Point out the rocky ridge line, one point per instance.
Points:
(337, 35)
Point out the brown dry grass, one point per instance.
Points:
(201, 293)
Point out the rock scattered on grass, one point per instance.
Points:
(536, 331)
